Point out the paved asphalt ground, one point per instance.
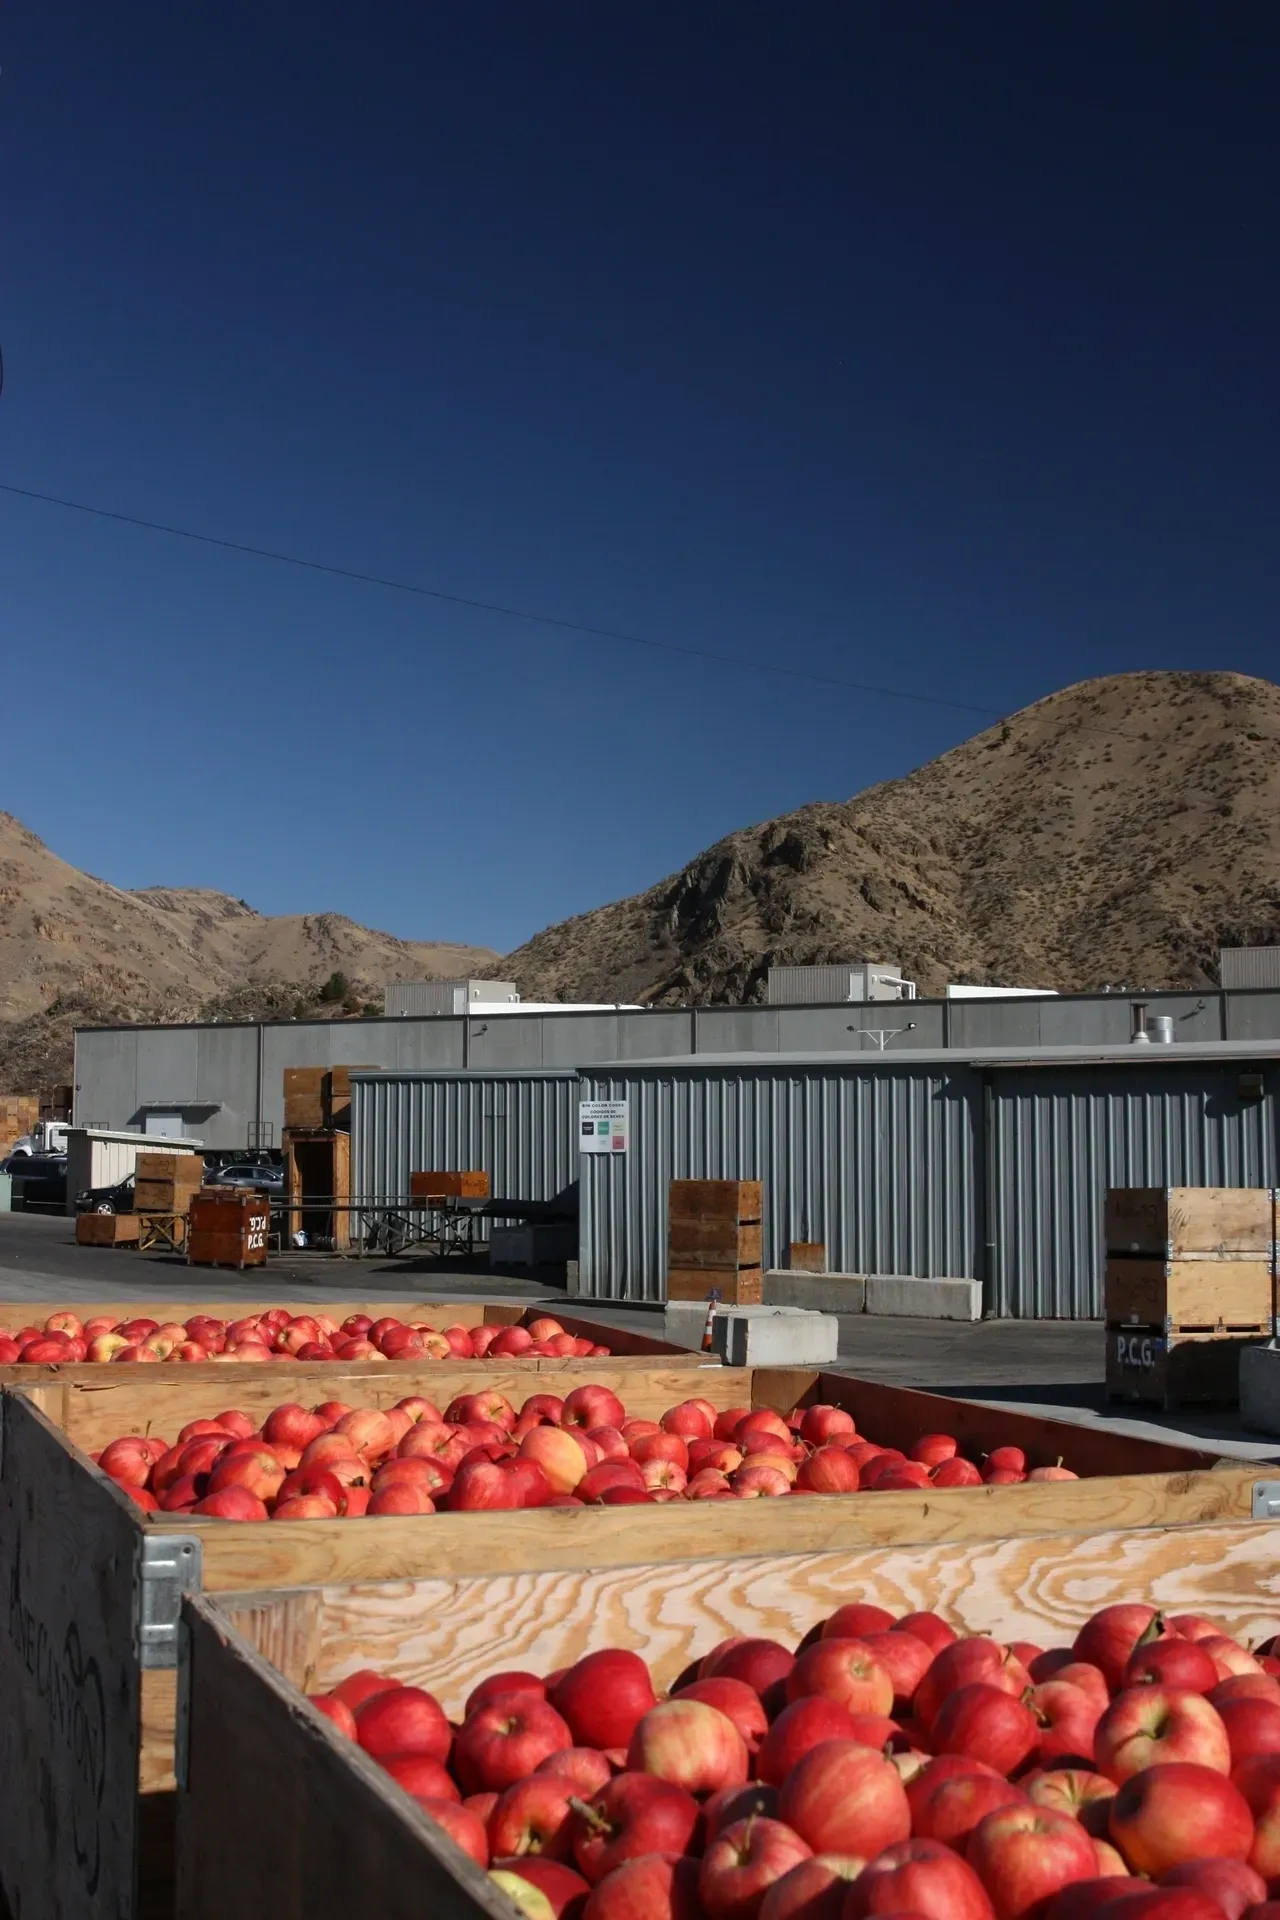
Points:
(1047, 1366)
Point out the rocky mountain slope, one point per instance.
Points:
(74, 950)
(1116, 832)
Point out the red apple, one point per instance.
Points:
(732, 1804)
(603, 1698)
(420, 1775)
(798, 1728)
(828, 1470)
(1172, 1663)
(919, 1877)
(462, 1824)
(633, 1815)
(816, 1889)
(743, 1862)
(362, 1685)
(1024, 1855)
(336, 1710)
(985, 1723)
(759, 1662)
(1232, 1884)
(905, 1659)
(929, 1627)
(1087, 1796)
(931, 1449)
(532, 1817)
(592, 1406)
(585, 1768)
(823, 1423)
(504, 1741)
(689, 1744)
(1109, 1639)
(232, 1503)
(949, 1807)
(974, 1662)
(1007, 1460)
(655, 1886)
(128, 1460)
(403, 1720)
(955, 1473)
(1067, 1717)
(845, 1671)
(736, 1700)
(1253, 1725)
(1176, 1812)
(1244, 1686)
(1149, 1726)
(509, 1680)
(842, 1797)
(1259, 1781)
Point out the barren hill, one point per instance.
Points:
(1116, 832)
(74, 949)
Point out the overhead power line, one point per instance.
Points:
(505, 612)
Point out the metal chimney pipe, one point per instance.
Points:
(1138, 1035)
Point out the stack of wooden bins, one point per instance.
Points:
(336, 1092)
(304, 1099)
(1189, 1282)
(164, 1185)
(88, 1663)
(469, 1185)
(227, 1227)
(713, 1241)
(361, 1845)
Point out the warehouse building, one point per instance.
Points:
(222, 1082)
(987, 1164)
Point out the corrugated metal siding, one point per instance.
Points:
(520, 1128)
(1250, 966)
(805, 986)
(878, 1165)
(1061, 1137)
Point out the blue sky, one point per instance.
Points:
(930, 347)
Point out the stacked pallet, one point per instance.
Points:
(1189, 1282)
(18, 1115)
(459, 1185)
(713, 1241)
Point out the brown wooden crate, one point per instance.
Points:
(105, 1230)
(736, 1286)
(1188, 1293)
(303, 1112)
(715, 1200)
(161, 1196)
(807, 1256)
(1226, 1223)
(176, 1169)
(449, 1185)
(252, 1661)
(713, 1243)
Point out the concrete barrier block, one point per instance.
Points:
(683, 1320)
(1260, 1389)
(815, 1292)
(892, 1293)
(786, 1339)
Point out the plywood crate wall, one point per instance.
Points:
(250, 1660)
(714, 1240)
(461, 1184)
(304, 1098)
(75, 1553)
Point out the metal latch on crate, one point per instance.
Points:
(168, 1565)
(1266, 1499)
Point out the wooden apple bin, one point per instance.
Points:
(336, 1836)
(92, 1586)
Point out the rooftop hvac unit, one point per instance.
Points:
(837, 983)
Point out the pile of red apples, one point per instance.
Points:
(333, 1460)
(885, 1768)
(277, 1334)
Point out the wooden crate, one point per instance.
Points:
(105, 1230)
(736, 1286)
(337, 1095)
(227, 1227)
(361, 1845)
(304, 1102)
(1191, 1223)
(1168, 1369)
(470, 1185)
(807, 1256)
(180, 1170)
(92, 1812)
(1189, 1295)
(741, 1200)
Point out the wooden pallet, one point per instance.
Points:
(71, 1544)
(368, 1848)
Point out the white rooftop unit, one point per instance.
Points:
(957, 990)
(838, 982)
(407, 998)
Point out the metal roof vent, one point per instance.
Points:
(1160, 1029)
(1138, 1035)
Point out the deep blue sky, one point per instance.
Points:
(931, 345)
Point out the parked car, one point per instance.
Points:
(116, 1199)
(39, 1180)
(263, 1179)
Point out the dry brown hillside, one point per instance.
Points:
(75, 950)
(1116, 832)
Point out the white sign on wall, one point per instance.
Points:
(602, 1126)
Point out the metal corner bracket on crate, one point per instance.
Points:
(1266, 1499)
(168, 1565)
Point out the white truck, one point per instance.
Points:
(47, 1136)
